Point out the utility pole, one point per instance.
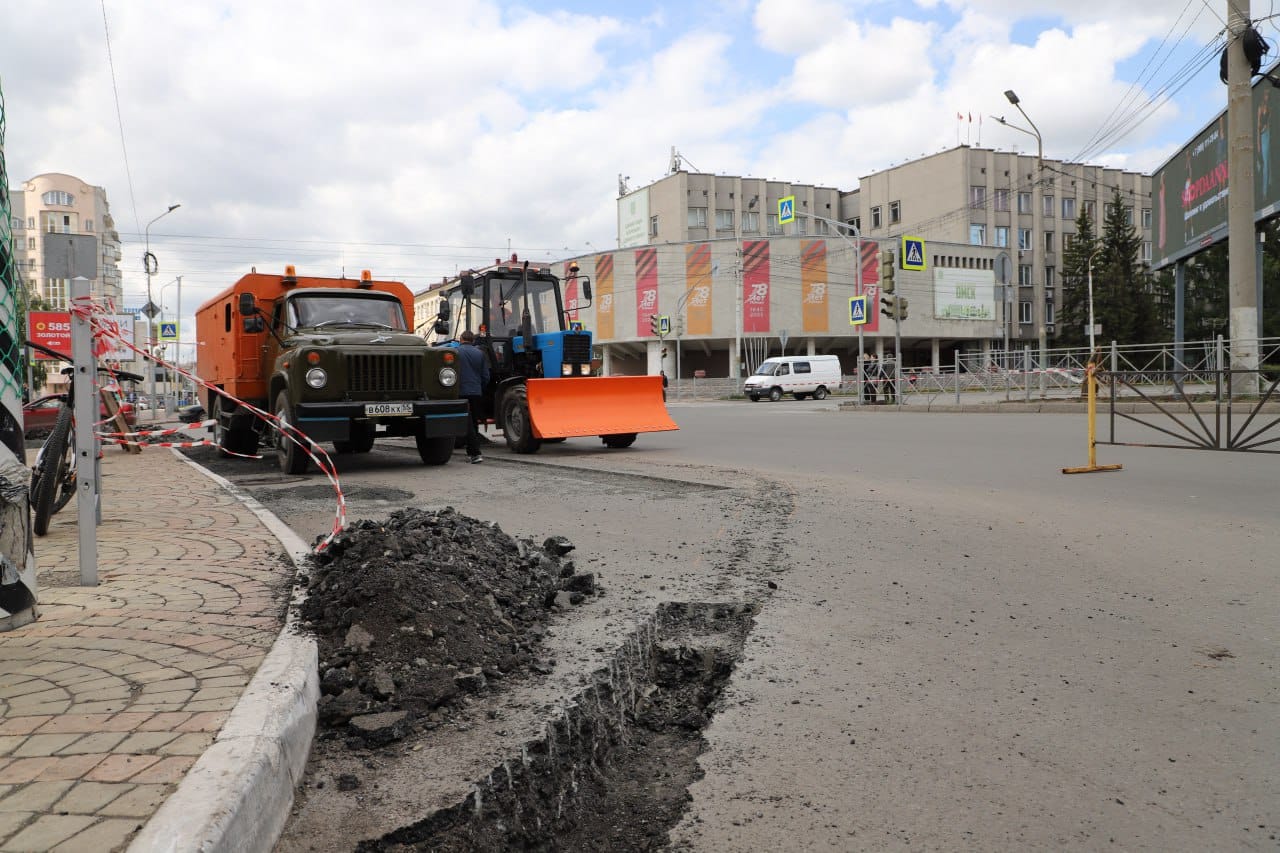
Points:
(1241, 240)
(736, 367)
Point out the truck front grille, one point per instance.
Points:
(393, 375)
(577, 349)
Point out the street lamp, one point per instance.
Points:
(1095, 254)
(171, 395)
(150, 267)
(1036, 226)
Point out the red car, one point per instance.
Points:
(39, 415)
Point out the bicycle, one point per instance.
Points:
(53, 476)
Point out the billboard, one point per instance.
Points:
(633, 219)
(1190, 191)
(813, 285)
(697, 277)
(964, 294)
(646, 290)
(51, 329)
(755, 286)
(604, 296)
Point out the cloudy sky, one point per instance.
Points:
(414, 138)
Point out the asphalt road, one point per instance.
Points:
(966, 648)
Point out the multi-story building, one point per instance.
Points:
(55, 203)
(1006, 201)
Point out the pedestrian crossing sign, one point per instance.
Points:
(786, 210)
(857, 310)
(168, 331)
(912, 253)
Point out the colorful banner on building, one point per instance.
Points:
(697, 281)
(604, 297)
(813, 285)
(646, 290)
(571, 293)
(755, 286)
(870, 262)
(51, 329)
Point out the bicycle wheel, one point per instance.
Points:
(54, 464)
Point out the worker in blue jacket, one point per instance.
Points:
(473, 375)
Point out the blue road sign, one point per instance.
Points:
(857, 310)
(787, 209)
(168, 331)
(913, 253)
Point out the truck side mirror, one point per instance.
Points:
(441, 328)
(254, 324)
(443, 314)
(585, 284)
(468, 285)
(248, 307)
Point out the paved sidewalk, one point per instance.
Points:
(111, 696)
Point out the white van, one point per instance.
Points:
(798, 375)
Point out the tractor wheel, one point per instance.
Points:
(516, 425)
(293, 459)
(436, 450)
(619, 440)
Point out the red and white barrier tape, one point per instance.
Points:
(100, 318)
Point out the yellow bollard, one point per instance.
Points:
(1093, 429)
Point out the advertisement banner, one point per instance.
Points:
(646, 290)
(633, 219)
(571, 294)
(755, 286)
(964, 294)
(51, 329)
(813, 285)
(604, 297)
(697, 282)
(870, 262)
(116, 349)
(1190, 191)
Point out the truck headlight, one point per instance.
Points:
(317, 378)
(566, 370)
(584, 369)
(448, 377)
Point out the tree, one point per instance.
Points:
(1124, 293)
(32, 301)
(1073, 312)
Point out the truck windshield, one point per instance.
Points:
(313, 312)
(768, 368)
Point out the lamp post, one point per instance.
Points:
(1037, 277)
(1095, 254)
(150, 267)
(171, 396)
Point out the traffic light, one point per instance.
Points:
(655, 325)
(886, 271)
(889, 306)
(679, 325)
(902, 307)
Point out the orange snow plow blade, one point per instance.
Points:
(597, 405)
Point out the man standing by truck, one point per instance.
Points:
(473, 375)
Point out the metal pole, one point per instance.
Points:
(150, 267)
(85, 412)
(736, 365)
(177, 349)
(1179, 320)
(956, 355)
(1026, 374)
(1242, 264)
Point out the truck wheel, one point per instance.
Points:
(243, 442)
(361, 440)
(775, 394)
(435, 450)
(293, 459)
(516, 425)
(619, 440)
(755, 398)
(820, 394)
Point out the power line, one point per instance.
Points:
(119, 116)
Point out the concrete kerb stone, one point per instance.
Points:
(238, 794)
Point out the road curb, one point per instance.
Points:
(238, 795)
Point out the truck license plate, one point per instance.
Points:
(379, 409)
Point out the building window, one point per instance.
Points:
(59, 198)
(774, 227)
(31, 223)
(820, 227)
(1068, 240)
(1091, 210)
(724, 219)
(697, 217)
(895, 212)
(751, 221)
(55, 291)
(88, 225)
(1024, 239)
(1048, 313)
(1024, 313)
(1048, 241)
(977, 196)
(1024, 202)
(875, 218)
(31, 242)
(1000, 200)
(1146, 251)
(977, 235)
(800, 225)
(856, 222)
(1146, 219)
(1128, 216)
(1069, 209)
(1002, 236)
(16, 223)
(1047, 206)
(653, 226)
(1024, 275)
(1048, 276)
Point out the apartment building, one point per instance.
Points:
(55, 203)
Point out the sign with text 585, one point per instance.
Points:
(51, 329)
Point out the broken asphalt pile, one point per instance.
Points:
(417, 612)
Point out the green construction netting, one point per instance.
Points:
(11, 350)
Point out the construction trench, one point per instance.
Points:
(485, 692)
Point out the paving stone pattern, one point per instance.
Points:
(108, 699)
